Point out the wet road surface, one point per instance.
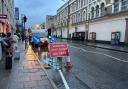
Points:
(93, 68)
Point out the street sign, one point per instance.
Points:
(2, 16)
(58, 50)
(36, 39)
(52, 39)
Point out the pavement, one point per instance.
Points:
(120, 48)
(27, 73)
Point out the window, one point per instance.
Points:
(79, 17)
(75, 6)
(75, 18)
(81, 1)
(124, 5)
(92, 12)
(85, 2)
(84, 16)
(72, 20)
(70, 8)
(78, 4)
(116, 6)
(2, 6)
(102, 9)
(97, 11)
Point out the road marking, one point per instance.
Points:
(64, 80)
(100, 54)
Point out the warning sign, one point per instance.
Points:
(58, 50)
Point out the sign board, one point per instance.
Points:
(58, 50)
(2, 16)
(52, 39)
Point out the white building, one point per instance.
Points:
(7, 8)
(103, 19)
(51, 23)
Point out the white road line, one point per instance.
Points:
(100, 54)
(64, 80)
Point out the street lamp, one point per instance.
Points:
(87, 27)
(24, 20)
(68, 20)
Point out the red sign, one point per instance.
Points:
(8, 27)
(2, 16)
(58, 50)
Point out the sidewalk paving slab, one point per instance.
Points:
(27, 73)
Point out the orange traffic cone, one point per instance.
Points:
(68, 63)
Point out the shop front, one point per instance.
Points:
(78, 36)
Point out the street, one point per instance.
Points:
(93, 68)
(64, 44)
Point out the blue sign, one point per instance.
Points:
(52, 39)
(36, 39)
(20, 25)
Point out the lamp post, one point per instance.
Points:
(68, 20)
(24, 20)
(61, 30)
(87, 28)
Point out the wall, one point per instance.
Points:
(58, 32)
(64, 32)
(81, 28)
(72, 30)
(104, 28)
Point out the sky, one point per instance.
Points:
(36, 10)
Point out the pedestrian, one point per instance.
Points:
(16, 39)
(3, 45)
(22, 38)
(9, 51)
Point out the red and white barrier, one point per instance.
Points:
(68, 63)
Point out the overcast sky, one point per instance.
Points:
(36, 10)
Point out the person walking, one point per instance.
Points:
(16, 39)
(9, 51)
(3, 45)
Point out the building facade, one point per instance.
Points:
(17, 13)
(94, 20)
(51, 23)
(7, 8)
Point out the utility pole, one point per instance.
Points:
(68, 20)
(25, 35)
(24, 20)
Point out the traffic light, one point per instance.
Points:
(25, 19)
(49, 32)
